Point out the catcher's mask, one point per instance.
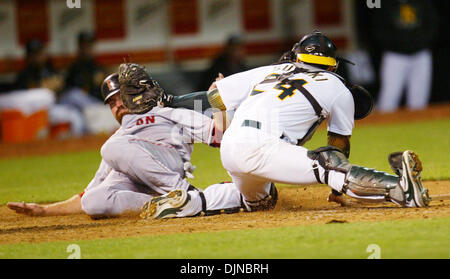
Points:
(110, 86)
(317, 49)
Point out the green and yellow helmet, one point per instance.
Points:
(316, 48)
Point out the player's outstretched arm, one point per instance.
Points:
(67, 207)
(340, 141)
(221, 120)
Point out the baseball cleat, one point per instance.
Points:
(415, 194)
(165, 206)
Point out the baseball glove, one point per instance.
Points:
(138, 91)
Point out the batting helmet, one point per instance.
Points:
(110, 86)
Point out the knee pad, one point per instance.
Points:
(329, 158)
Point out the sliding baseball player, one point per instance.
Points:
(148, 156)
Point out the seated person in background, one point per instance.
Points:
(39, 74)
(228, 62)
(84, 76)
(38, 71)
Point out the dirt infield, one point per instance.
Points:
(296, 206)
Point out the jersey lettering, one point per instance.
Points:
(147, 120)
(287, 89)
(317, 76)
(268, 79)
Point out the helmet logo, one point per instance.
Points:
(110, 85)
(310, 48)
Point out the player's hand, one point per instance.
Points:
(337, 199)
(219, 77)
(30, 209)
(189, 170)
(213, 85)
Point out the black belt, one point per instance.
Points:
(251, 123)
(255, 124)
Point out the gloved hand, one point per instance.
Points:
(189, 169)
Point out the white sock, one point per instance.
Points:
(193, 207)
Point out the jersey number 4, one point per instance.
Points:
(287, 90)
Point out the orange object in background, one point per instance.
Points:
(60, 131)
(17, 127)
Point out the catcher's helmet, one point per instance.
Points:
(316, 48)
(110, 86)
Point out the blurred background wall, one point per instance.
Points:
(169, 36)
(178, 39)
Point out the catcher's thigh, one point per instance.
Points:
(271, 161)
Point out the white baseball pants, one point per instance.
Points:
(144, 169)
(254, 160)
(411, 71)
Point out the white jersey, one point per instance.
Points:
(281, 110)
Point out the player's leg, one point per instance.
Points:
(242, 154)
(117, 194)
(393, 73)
(157, 166)
(215, 199)
(419, 80)
(290, 164)
(222, 197)
(369, 184)
(257, 193)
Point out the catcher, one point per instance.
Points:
(148, 156)
(277, 108)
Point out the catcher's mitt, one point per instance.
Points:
(138, 91)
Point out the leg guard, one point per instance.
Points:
(361, 181)
(369, 182)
